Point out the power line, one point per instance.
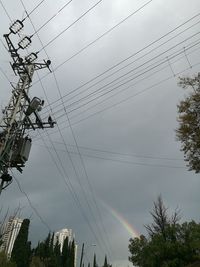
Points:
(58, 12)
(25, 192)
(31, 12)
(5, 75)
(128, 88)
(123, 82)
(70, 186)
(101, 36)
(128, 161)
(79, 87)
(68, 27)
(127, 58)
(30, 203)
(83, 165)
(121, 154)
(126, 99)
(58, 126)
(5, 10)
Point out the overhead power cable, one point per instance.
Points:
(33, 10)
(85, 197)
(130, 78)
(5, 10)
(24, 192)
(30, 203)
(73, 23)
(121, 154)
(78, 88)
(102, 35)
(126, 99)
(85, 172)
(122, 90)
(57, 13)
(5, 75)
(69, 186)
(78, 94)
(124, 60)
(126, 161)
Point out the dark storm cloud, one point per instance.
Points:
(143, 126)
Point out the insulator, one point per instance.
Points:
(31, 57)
(16, 26)
(26, 41)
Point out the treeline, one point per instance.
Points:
(47, 253)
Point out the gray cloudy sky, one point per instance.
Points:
(123, 121)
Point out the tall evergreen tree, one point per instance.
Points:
(95, 261)
(21, 248)
(72, 254)
(47, 250)
(57, 255)
(65, 252)
(105, 262)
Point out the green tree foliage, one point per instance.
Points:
(188, 131)
(65, 252)
(4, 262)
(72, 254)
(36, 262)
(168, 244)
(50, 254)
(21, 248)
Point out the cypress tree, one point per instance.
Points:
(94, 261)
(21, 249)
(57, 255)
(72, 254)
(47, 250)
(105, 262)
(65, 252)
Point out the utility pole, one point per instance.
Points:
(22, 112)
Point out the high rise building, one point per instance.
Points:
(61, 235)
(9, 233)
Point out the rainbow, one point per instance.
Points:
(123, 221)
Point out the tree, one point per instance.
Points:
(4, 262)
(95, 261)
(36, 262)
(65, 253)
(105, 262)
(72, 254)
(168, 243)
(161, 219)
(188, 132)
(21, 249)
